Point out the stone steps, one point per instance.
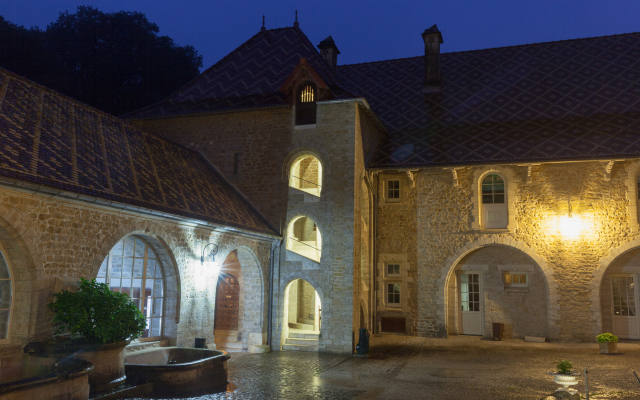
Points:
(305, 321)
(301, 342)
(289, 347)
(296, 335)
(306, 327)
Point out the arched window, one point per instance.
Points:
(306, 97)
(304, 238)
(494, 206)
(132, 268)
(6, 294)
(306, 175)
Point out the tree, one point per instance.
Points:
(116, 62)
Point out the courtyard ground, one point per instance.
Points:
(417, 368)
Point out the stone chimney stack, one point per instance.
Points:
(432, 40)
(329, 51)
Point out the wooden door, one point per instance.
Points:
(227, 302)
(625, 316)
(471, 303)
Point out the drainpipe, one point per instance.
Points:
(274, 246)
(374, 304)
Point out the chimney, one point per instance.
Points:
(329, 51)
(432, 40)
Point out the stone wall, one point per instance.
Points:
(443, 210)
(52, 243)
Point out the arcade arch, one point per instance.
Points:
(306, 174)
(302, 316)
(304, 238)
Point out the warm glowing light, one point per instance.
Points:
(570, 227)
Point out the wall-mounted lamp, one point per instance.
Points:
(212, 253)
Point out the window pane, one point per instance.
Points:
(138, 266)
(127, 267)
(117, 249)
(101, 280)
(497, 179)
(5, 295)
(126, 287)
(488, 180)
(158, 271)
(390, 298)
(103, 268)
(498, 199)
(487, 199)
(151, 267)
(116, 267)
(498, 188)
(128, 246)
(137, 303)
(146, 305)
(139, 248)
(487, 189)
(4, 268)
(136, 290)
(508, 278)
(157, 289)
(155, 327)
(396, 288)
(150, 253)
(4, 324)
(523, 278)
(146, 331)
(148, 288)
(157, 308)
(115, 285)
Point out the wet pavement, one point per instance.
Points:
(417, 368)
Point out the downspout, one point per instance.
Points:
(274, 246)
(374, 304)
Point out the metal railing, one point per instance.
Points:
(313, 183)
(318, 251)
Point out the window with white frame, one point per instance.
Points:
(393, 269)
(494, 206)
(393, 190)
(393, 293)
(132, 268)
(6, 295)
(516, 279)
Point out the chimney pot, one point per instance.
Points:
(329, 51)
(432, 40)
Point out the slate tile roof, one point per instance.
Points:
(565, 100)
(249, 76)
(47, 138)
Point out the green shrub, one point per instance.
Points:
(564, 367)
(606, 338)
(97, 313)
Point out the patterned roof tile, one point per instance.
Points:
(47, 138)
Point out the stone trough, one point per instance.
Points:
(179, 371)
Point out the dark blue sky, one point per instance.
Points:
(363, 30)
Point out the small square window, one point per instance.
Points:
(516, 279)
(393, 190)
(393, 269)
(393, 293)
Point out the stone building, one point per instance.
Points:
(430, 196)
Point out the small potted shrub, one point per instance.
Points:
(608, 343)
(563, 376)
(100, 323)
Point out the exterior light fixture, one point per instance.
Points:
(212, 253)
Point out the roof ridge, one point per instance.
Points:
(497, 47)
(89, 107)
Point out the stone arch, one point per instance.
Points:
(29, 316)
(170, 271)
(512, 180)
(253, 297)
(494, 240)
(294, 215)
(597, 281)
(285, 284)
(365, 314)
(301, 148)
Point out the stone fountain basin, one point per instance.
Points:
(178, 370)
(45, 378)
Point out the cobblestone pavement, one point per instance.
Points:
(418, 368)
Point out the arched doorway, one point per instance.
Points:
(229, 305)
(497, 284)
(619, 297)
(303, 317)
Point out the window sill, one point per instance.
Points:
(393, 306)
(517, 289)
(299, 127)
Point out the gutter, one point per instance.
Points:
(121, 208)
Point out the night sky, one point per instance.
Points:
(364, 30)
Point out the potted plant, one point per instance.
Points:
(608, 343)
(100, 323)
(563, 376)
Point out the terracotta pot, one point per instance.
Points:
(608, 347)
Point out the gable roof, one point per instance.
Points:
(47, 138)
(249, 76)
(564, 100)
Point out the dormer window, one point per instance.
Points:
(306, 98)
